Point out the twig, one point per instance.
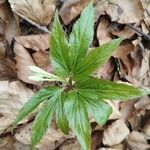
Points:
(139, 31)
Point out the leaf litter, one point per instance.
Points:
(130, 124)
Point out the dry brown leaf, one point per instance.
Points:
(35, 42)
(24, 59)
(9, 24)
(106, 71)
(70, 145)
(42, 60)
(71, 9)
(38, 11)
(121, 30)
(115, 133)
(121, 11)
(125, 60)
(7, 143)
(7, 70)
(2, 50)
(12, 97)
(137, 141)
(52, 135)
(102, 31)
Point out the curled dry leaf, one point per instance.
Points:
(38, 43)
(35, 42)
(71, 144)
(121, 30)
(23, 136)
(137, 141)
(125, 60)
(7, 69)
(8, 22)
(38, 11)
(115, 133)
(71, 9)
(102, 31)
(2, 50)
(13, 96)
(120, 10)
(23, 61)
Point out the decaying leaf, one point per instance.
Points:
(38, 11)
(121, 30)
(123, 54)
(138, 141)
(35, 42)
(102, 31)
(12, 97)
(53, 135)
(8, 23)
(115, 133)
(7, 69)
(71, 9)
(120, 11)
(23, 61)
(38, 43)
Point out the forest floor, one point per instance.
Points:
(24, 41)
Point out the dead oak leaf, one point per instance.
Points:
(38, 44)
(8, 23)
(115, 133)
(121, 11)
(23, 136)
(12, 97)
(71, 9)
(38, 11)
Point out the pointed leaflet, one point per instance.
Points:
(42, 120)
(78, 118)
(59, 49)
(96, 58)
(111, 90)
(61, 119)
(33, 103)
(82, 35)
(100, 110)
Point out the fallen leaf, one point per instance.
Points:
(12, 97)
(123, 54)
(23, 136)
(24, 59)
(35, 42)
(120, 11)
(40, 12)
(115, 133)
(42, 60)
(9, 23)
(71, 9)
(70, 145)
(2, 50)
(121, 30)
(137, 141)
(7, 70)
(102, 31)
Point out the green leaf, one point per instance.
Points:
(100, 110)
(59, 49)
(82, 35)
(111, 90)
(33, 103)
(42, 120)
(78, 118)
(96, 58)
(61, 119)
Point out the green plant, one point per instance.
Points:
(80, 94)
